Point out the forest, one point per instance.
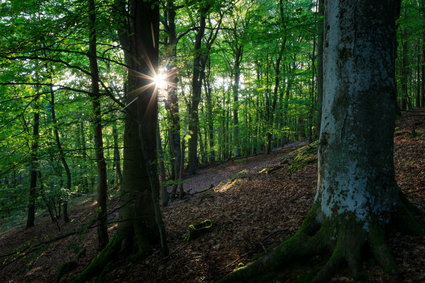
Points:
(212, 140)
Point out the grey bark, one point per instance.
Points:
(356, 171)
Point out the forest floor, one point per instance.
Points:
(255, 202)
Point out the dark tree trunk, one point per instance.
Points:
(142, 224)
(117, 156)
(199, 62)
(320, 66)
(198, 67)
(209, 110)
(171, 103)
(141, 227)
(423, 67)
(102, 195)
(33, 166)
(404, 69)
(238, 52)
(62, 156)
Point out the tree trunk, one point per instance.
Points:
(33, 166)
(199, 62)
(61, 154)
(102, 195)
(320, 32)
(60, 148)
(404, 68)
(423, 66)
(171, 103)
(357, 196)
(117, 158)
(163, 193)
(209, 110)
(141, 227)
(140, 179)
(237, 76)
(198, 66)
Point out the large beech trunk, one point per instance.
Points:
(356, 171)
(141, 227)
(357, 196)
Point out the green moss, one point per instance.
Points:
(304, 155)
(98, 264)
(409, 133)
(240, 266)
(195, 230)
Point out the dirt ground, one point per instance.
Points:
(254, 210)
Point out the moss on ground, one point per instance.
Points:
(304, 155)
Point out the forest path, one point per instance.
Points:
(213, 175)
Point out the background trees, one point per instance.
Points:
(243, 78)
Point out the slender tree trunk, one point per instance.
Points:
(418, 76)
(209, 110)
(172, 104)
(404, 70)
(199, 63)
(423, 67)
(117, 156)
(198, 66)
(163, 193)
(62, 156)
(102, 228)
(237, 76)
(320, 66)
(83, 151)
(33, 166)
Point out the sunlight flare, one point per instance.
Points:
(160, 80)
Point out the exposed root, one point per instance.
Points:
(342, 236)
(334, 262)
(300, 245)
(406, 220)
(380, 250)
(97, 266)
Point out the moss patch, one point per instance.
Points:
(304, 155)
(195, 230)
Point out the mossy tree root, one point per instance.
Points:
(342, 237)
(194, 231)
(97, 266)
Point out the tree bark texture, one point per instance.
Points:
(356, 172)
(102, 194)
(33, 167)
(199, 62)
(357, 196)
(141, 227)
(171, 103)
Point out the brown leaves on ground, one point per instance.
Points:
(254, 210)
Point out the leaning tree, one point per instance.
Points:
(357, 197)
